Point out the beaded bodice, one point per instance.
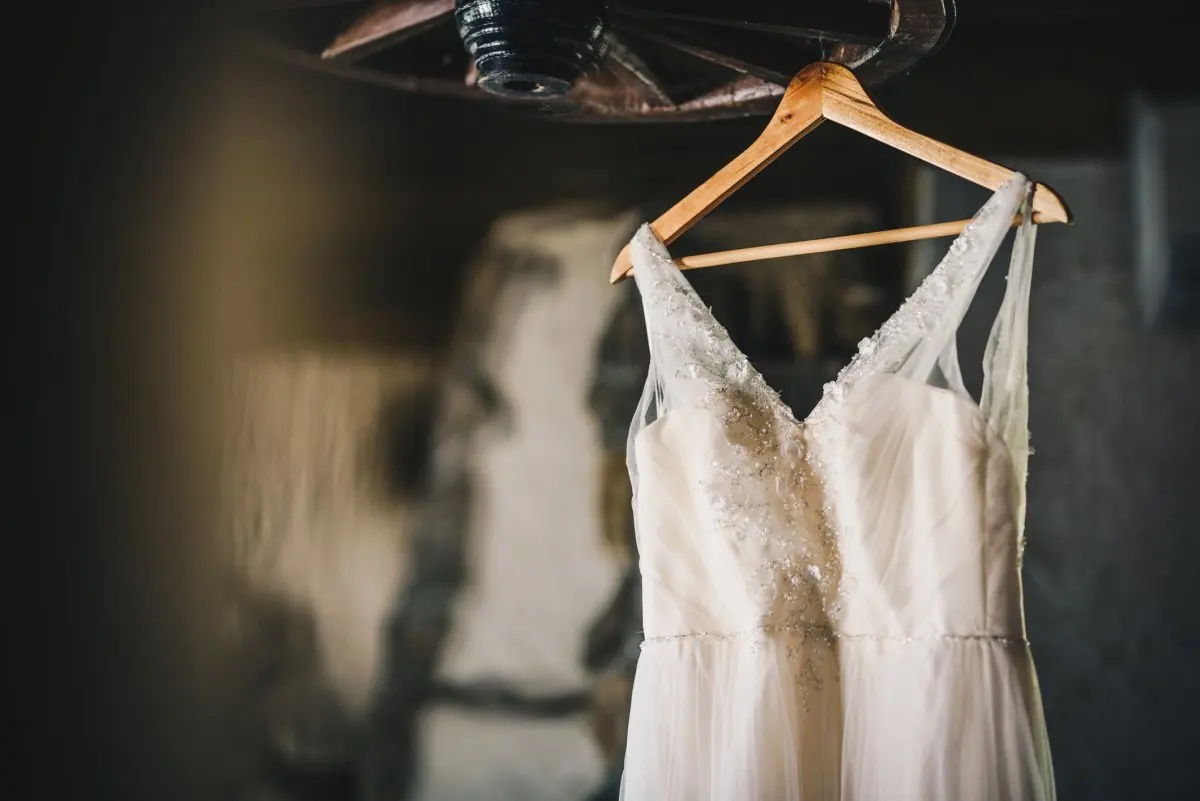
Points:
(893, 509)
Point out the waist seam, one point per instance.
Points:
(827, 634)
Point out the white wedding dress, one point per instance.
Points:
(832, 606)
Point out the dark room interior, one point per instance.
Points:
(324, 460)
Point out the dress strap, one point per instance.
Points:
(1005, 397)
(692, 356)
(693, 362)
(918, 341)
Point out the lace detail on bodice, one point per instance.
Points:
(769, 497)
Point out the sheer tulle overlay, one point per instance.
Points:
(832, 606)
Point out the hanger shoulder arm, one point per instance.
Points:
(769, 146)
(797, 115)
(847, 103)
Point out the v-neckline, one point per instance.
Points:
(868, 345)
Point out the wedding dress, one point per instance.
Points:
(832, 605)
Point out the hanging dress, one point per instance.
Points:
(832, 604)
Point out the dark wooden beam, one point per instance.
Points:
(632, 72)
(413, 84)
(866, 21)
(386, 24)
(775, 60)
(747, 87)
(919, 27)
(284, 5)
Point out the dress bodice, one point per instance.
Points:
(893, 509)
(920, 457)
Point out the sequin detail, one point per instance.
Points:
(770, 499)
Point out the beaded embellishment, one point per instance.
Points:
(770, 499)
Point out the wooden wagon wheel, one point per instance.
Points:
(597, 61)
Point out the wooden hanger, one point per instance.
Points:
(825, 91)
